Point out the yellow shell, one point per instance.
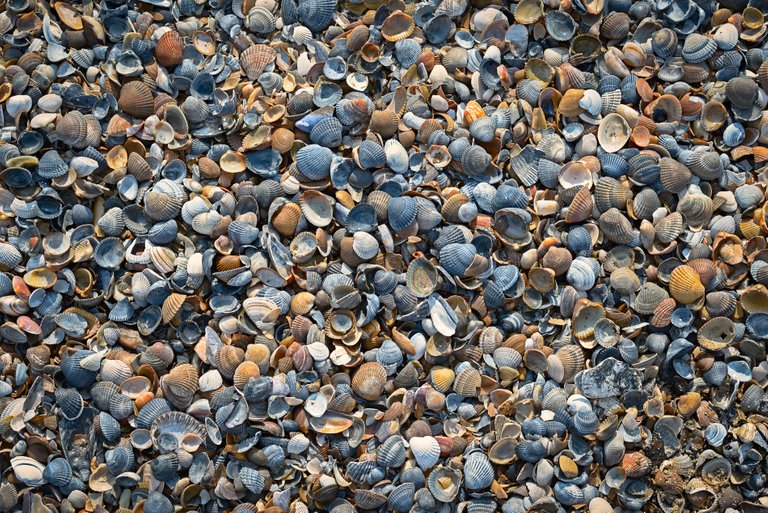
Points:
(442, 378)
(244, 372)
(685, 285)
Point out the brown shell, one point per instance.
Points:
(228, 358)
(283, 139)
(136, 99)
(397, 26)
(357, 37)
(286, 219)
(255, 58)
(581, 207)
(557, 259)
(636, 464)
(172, 305)
(662, 315)
(245, 371)
(170, 49)
(138, 167)
(384, 122)
(369, 380)
(182, 380)
(687, 404)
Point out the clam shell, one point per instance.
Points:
(136, 99)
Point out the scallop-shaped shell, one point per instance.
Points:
(136, 99)
(181, 381)
(705, 164)
(616, 227)
(170, 48)
(314, 161)
(58, 472)
(669, 228)
(426, 451)
(478, 471)
(648, 298)
(696, 208)
(467, 382)
(483, 129)
(613, 133)
(73, 127)
(392, 452)
(317, 14)
(260, 20)
(255, 58)
(698, 48)
(664, 42)
(674, 176)
(369, 380)
(327, 132)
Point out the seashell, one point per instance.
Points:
(369, 380)
(426, 451)
(685, 286)
(136, 99)
(256, 58)
(58, 472)
(613, 133)
(478, 471)
(397, 26)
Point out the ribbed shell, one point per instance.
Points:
(255, 58)
(369, 380)
(616, 227)
(170, 48)
(669, 228)
(674, 176)
(392, 452)
(72, 129)
(648, 298)
(136, 99)
(426, 451)
(698, 48)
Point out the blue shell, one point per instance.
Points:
(401, 212)
(530, 451)
(456, 258)
(158, 503)
(74, 374)
(327, 132)
(316, 15)
(264, 163)
(119, 460)
(314, 161)
(58, 472)
(371, 155)
(151, 411)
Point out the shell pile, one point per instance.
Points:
(446, 256)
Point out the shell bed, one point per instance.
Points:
(453, 256)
